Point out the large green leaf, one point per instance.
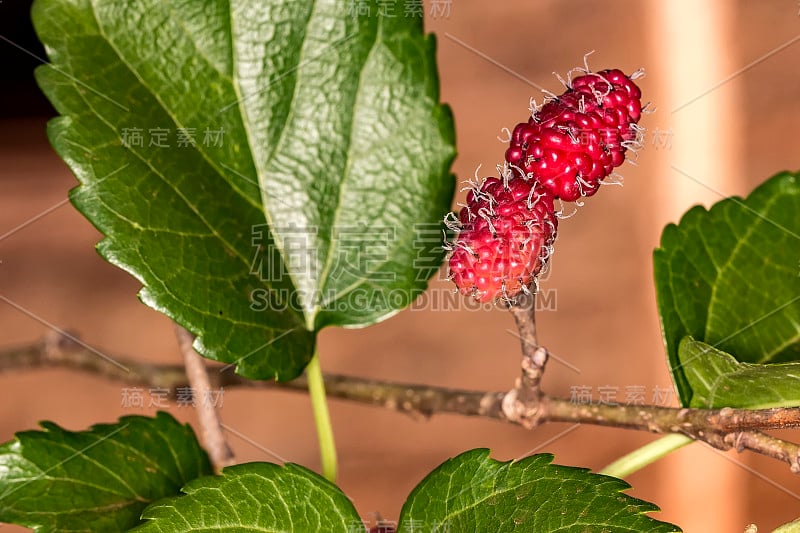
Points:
(719, 380)
(468, 493)
(473, 492)
(730, 277)
(96, 480)
(319, 163)
(255, 497)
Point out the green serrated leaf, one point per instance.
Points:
(255, 497)
(719, 380)
(473, 492)
(264, 168)
(96, 480)
(730, 277)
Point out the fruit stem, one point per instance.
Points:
(322, 418)
(649, 453)
(534, 357)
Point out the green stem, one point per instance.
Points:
(322, 419)
(649, 453)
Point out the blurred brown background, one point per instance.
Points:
(722, 75)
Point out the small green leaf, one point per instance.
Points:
(473, 492)
(265, 168)
(255, 497)
(96, 480)
(730, 277)
(719, 380)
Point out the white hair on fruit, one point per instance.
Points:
(615, 178)
(507, 132)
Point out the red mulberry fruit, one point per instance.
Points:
(577, 139)
(506, 232)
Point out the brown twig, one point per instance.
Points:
(208, 418)
(768, 445)
(723, 428)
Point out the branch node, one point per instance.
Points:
(526, 413)
(55, 343)
(539, 358)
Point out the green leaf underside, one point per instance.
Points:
(473, 492)
(729, 277)
(719, 380)
(96, 480)
(255, 497)
(332, 134)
